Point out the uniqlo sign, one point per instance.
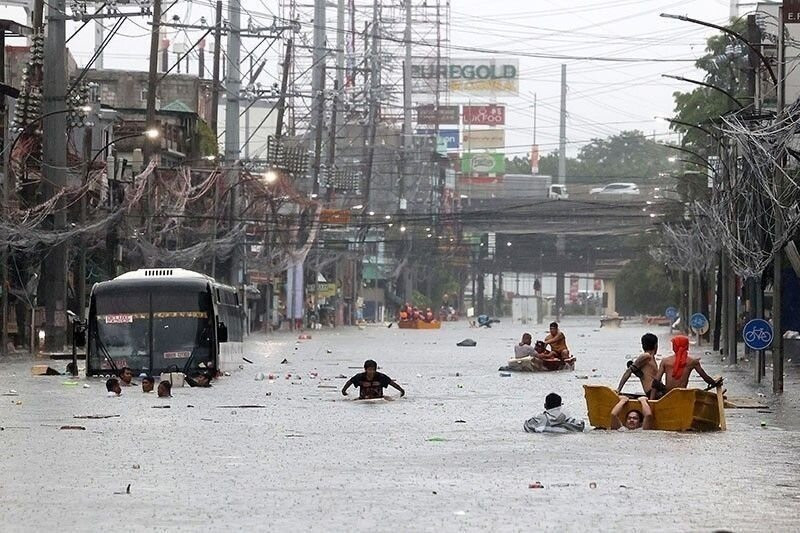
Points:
(484, 115)
(791, 11)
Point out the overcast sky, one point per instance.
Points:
(603, 97)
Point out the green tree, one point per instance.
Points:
(629, 154)
(726, 65)
(518, 165)
(644, 287)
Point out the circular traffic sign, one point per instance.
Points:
(699, 323)
(671, 313)
(757, 334)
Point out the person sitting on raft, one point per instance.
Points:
(644, 367)
(557, 342)
(678, 367)
(429, 315)
(635, 418)
(404, 313)
(529, 358)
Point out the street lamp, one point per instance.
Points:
(732, 33)
(704, 84)
(270, 176)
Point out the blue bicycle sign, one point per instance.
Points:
(671, 313)
(699, 323)
(757, 334)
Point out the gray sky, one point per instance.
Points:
(603, 97)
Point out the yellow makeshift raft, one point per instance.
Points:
(419, 324)
(678, 410)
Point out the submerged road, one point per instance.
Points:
(313, 460)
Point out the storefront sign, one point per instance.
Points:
(334, 216)
(471, 76)
(791, 11)
(484, 115)
(484, 140)
(322, 290)
(483, 163)
(448, 137)
(447, 114)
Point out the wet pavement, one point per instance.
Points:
(450, 456)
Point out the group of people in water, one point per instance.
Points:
(541, 355)
(409, 312)
(125, 379)
(674, 370)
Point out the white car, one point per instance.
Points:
(616, 188)
(558, 192)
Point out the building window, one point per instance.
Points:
(144, 95)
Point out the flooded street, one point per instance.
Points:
(450, 456)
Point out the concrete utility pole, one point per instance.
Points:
(777, 283)
(562, 178)
(340, 44)
(215, 73)
(54, 152)
(152, 81)
(407, 109)
(562, 129)
(374, 84)
(317, 88)
(232, 146)
(99, 36)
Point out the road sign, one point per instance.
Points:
(671, 313)
(757, 334)
(699, 323)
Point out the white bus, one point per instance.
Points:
(163, 319)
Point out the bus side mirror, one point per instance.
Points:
(222, 332)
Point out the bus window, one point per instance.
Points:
(122, 331)
(182, 329)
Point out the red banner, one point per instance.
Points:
(484, 115)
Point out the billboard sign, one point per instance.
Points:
(791, 11)
(535, 159)
(481, 76)
(483, 163)
(447, 137)
(446, 114)
(484, 115)
(484, 140)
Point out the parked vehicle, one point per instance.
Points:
(616, 188)
(558, 192)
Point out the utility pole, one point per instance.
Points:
(374, 83)
(99, 36)
(317, 89)
(215, 73)
(340, 44)
(232, 89)
(6, 198)
(408, 144)
(54, 152)
(331, 162)
(407, 109)
(150, 146)
(777, 283)
(562, 178)
(562, 129)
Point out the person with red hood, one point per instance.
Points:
(677, 367)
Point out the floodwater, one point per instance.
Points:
(313, 460)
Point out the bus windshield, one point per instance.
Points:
(153, 329)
